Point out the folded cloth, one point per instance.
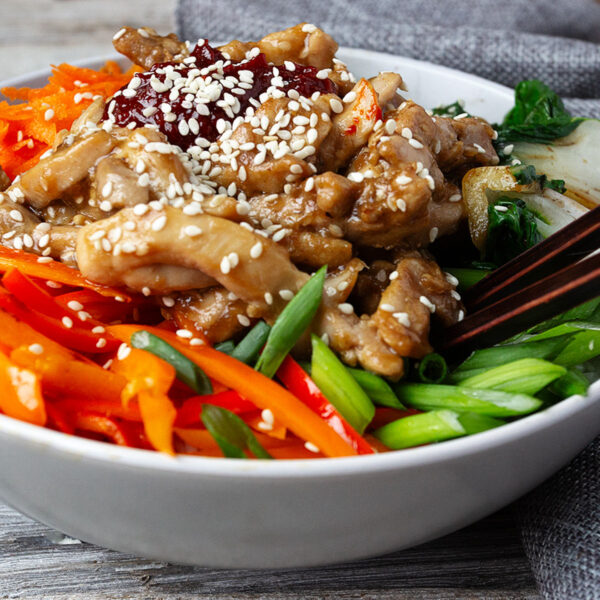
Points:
(505, 41)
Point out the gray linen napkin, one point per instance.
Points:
(556, 41)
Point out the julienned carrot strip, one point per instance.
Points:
(260, 390)
(28, 264)
(149, 380)
(21, 393)
(70, 377)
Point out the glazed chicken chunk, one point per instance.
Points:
(218, 179)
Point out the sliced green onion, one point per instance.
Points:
(492, 403)
(231, 433)
(292, 323)
(583, 346)
(188, 372)
(474, 423)
(416, 430)
(225, 347)
(467, 277)
(249, 348)
(432, 368)
(481, 360)
(572, 383)
(563, 329)
(588, 311)
(339, 387)
(524, 376)
(378, 389)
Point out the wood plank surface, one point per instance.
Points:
(484, 561)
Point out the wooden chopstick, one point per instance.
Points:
(570, 286)
(570, 243)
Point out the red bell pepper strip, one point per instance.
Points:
(116, 432)
(189, 412)
(102, 308)
(295, 379)
(73, 337)
(28, 263)
(262, 391)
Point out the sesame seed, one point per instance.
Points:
(44, 259)
(433, 233)
(455, 198)
(402, 318)
(15, 215)
(406, 133)
(461, 315)
(74, 305)
(356, 176)
(268, 298)
(336, 105)
(311, 447)
(479, 148)
(390, 126)
(393, 275)
(455, 294)
(350, 97)
(67, 322)
(119, 33)
(225, 266)
(36, 349)
(192, 230)
(286, 295)
(428, 303)
(98, 329)
(146, 291)
(256, 250)
(184, 333)
(346, 308)
(243, 320)
(264, 426)
(507, 149)
(49, 114)
(101, 343)
(124, 351)
(107, 189)
(415, 143)
(500, 208)
(267, 416)
(387, 307)
(197, 342)
(159, 223)
(168, 301)
(403, 180)
(451, 279)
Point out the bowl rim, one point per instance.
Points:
(77, 447)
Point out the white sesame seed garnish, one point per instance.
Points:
(356, 176)
(225, 266)
(461, 315)
(402, 318)
(346, 308)
(455, 198)
(451, 279)
(390, 126)
(256, 250)
(311, 447)
(74, 305)
(428, 303)
(407, 133)
(36, 349)
(507, 149)
(433, 233)
(119, 33)
(15, 215)
(268, 298)
(286, 295)
(192, 230)
(44, 259)
(67, 322)
(415, 143)
(267, 416)
(159, 223)
(479, 148)
(49, 114)
(101, 343)
(124, 351)
(500, 208)
(184, 333)
(350, 97)
(107, 189)
(403, 180)
(336, 105)
(243, 320)
(387, 307)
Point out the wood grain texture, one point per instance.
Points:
(482, 562)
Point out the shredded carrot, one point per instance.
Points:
(28, 129)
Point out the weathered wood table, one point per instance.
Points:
(484, 561)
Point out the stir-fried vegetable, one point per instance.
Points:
(291, 324)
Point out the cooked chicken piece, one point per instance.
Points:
(352, 127)
(145, 47)
(245, 263)
(56, 173)
(262, 147)
(313, 250)
(405, 196)
(387, 86)
(404, 313)
(215, 312)
(304, 44)
(91, 116)
(117, 185)
(4, 180)
(370, 285)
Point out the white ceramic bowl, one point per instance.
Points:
(228, 513)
